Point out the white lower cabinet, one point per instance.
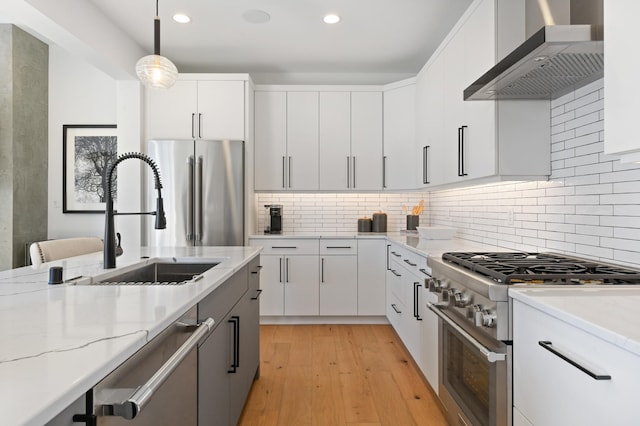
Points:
(322, 276)
(407, 309)
(551, 390)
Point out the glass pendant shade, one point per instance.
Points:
(156, 72)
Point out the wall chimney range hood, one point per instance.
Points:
(552, 62)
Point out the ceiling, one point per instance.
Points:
(390, 38)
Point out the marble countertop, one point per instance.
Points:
(610, 313)
(58, 341)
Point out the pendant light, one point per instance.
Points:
(156, 71)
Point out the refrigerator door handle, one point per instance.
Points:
(199, 206)
(189, 172)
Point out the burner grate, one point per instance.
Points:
(542, 268)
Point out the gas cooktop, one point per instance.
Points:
(541, 268)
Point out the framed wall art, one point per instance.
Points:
(87, 149)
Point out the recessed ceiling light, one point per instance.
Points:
(256, 16)
(331, 19)
(181, 18)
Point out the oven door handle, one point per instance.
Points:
(491, 356)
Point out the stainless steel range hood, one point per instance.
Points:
(555, 60)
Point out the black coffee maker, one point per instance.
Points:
(273, 220)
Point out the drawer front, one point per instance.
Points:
(338, 246)
(221, 300)
(542, 379)
(410, 260)
(286, 246)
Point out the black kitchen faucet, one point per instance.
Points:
(109, 228)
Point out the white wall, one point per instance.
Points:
(78, 94)
(590, 206)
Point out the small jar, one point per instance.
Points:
(379, 222)
(364, 225)
(413, 221)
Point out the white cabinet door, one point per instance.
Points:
(621, 101)
(548, 390)
(301, 281)
(171, 113)
(454, 160)
(366, 140)
(335, 140)
(221, 110)
(339, 285)
(272, 285)
(399, 138)
(431, 152)
(270, 123)
(372, 260)
(302, 140)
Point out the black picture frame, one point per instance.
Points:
(86, 151)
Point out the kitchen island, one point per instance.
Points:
(58, 341)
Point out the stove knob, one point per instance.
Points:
(448, 295)
(434, 285)
(472, 313)
(488, 318)
(461, 299)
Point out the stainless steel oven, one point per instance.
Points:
(474, 374)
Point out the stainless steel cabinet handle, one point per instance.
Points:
(565, 357)
(395, 308)
(408, 262)
(199, 206)
(490, 355)
(190, 206)
(258, 293)
(134, 405)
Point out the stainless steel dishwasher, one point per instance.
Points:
(158, 385)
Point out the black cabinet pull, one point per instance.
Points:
(394, 272)
(461, 171)
(425, 164)
(396, 254)
(384, 171)
(424, 271)
(280, 269)
(283, 172)
(322, 270)
(258, 293)
(235, 320)
(388, 248)
(284, 247)
(416, 301)
(257, 271)
(549, 346)
(338, 247)
(395, 308)
(408, 262)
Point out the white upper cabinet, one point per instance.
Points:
(366, 140)
(621, 68)
(197, 109)
(317, 140)
(399, 137)
(270, 140)
(461, 140)
(286, 140)
(335, 140)
(302, 140)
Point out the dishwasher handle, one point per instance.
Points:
(132, 406)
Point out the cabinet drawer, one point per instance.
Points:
(412, 261)
(340, 246)
(286, 246)
(542, 379)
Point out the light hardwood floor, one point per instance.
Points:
(338, 375)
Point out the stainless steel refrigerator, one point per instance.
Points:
(203, 190)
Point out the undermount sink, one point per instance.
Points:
(159, 273)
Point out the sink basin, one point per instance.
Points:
(159, 273)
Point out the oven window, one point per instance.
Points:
(467, 376)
